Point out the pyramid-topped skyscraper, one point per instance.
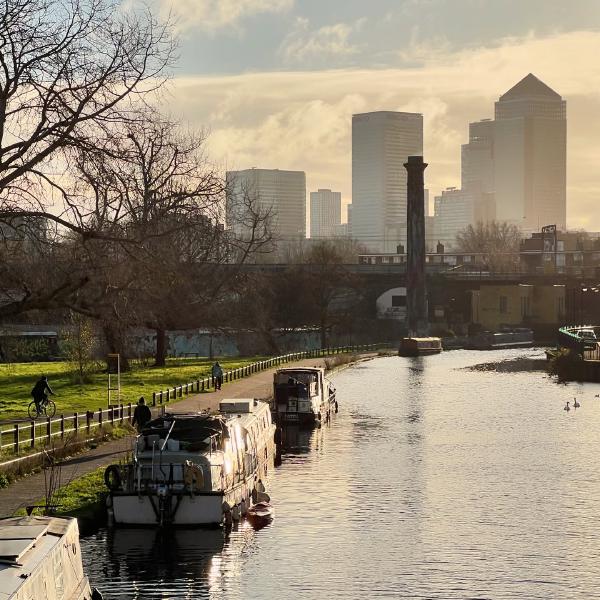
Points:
(530, 156)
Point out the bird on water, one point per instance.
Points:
(575, 403)
(567, 407)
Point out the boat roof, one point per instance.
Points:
(25, 542)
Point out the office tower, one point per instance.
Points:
(325, 213)
(282, 193)
(530, 156)
(381, 144)
(349, 220)
(477, 157)
(457, 209)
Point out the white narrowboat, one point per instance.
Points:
(303, 395)
(195, 469)
(40, 558)
(418, 346)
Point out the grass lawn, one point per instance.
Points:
(17, 379)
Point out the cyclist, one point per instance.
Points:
(39, 392)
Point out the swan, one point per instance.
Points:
(567, 407)
(576, 404)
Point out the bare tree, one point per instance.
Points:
(69, 71)
(497, 242)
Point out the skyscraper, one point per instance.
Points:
(325, 213)
(530, 156)
(381, 144)
(283, 193)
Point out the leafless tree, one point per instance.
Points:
(497, 242)
(70, 70)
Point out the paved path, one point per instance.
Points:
(29, 490)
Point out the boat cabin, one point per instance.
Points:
(302, 394)
(417, 346)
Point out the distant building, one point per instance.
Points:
(457, 209)
(283, 193)
(349, 221)
(325, 213)
(530, 156)
(381, 143)
(494, 306)
(477, 157)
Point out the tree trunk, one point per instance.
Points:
(114, 342)
(160, 358)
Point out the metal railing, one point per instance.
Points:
(32, 433)
(203, 385)
(16, 436)
(569, 337)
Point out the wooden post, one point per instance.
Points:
(112, 415)
(16, 438)
(100, 417)
(121, 412)
(49, 428)
(33, 433)
(153, 398)
(88, 421)
(62, 427)
(76, 423)
(129, 415)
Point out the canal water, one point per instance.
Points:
(441, 477)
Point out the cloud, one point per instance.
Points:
(302, 45)
(302, 120)
(212, 15)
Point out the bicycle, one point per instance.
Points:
(47, 408)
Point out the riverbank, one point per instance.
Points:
(28, 490)
(17, 379)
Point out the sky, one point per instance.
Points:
(274, 83)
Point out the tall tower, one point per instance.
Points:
(280, 193)
(381, 143)
(416, 293)
(530, 156)
(325, 213)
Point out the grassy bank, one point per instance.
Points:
(84, 498)
(17, 379)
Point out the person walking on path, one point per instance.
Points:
(217, 373)
(141, 415)
(39, 392)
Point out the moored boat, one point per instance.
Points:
(303, 395)
(40, 558)
(195, 469)
(260, 513)
(417, 346)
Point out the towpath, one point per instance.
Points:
(28, 490)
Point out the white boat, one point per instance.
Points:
(303, 395)
(40, 558)
(195, 469)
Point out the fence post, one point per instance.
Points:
(62, 427)
(49, 428)
(129, 412)
(76, 423)
(88, 421)
(121, 412)
(100, 417)
(16, 438)
(203, 385)
(33, 433)
(153, 398)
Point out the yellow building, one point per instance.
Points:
(495, 305)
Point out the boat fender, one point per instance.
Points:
(112, 477)
(336, 407)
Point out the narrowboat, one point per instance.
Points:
(195, 469)
(508, 338)
(303, 395)
(40, 558)
(418, 346)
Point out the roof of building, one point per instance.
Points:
(530, 86)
